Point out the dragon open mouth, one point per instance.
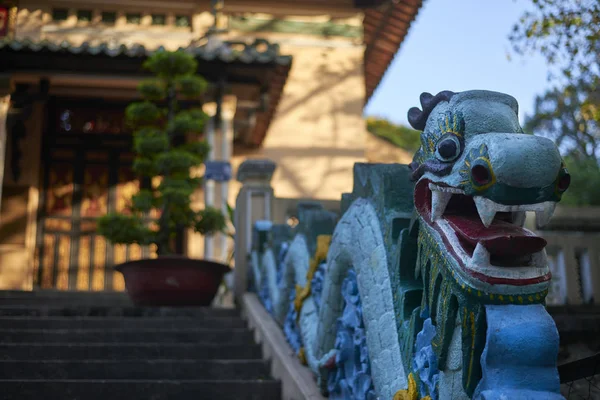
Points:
(486, 238)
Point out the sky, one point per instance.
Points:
(460, 45)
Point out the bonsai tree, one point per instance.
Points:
(161, 127)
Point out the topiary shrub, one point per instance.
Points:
(160, 127)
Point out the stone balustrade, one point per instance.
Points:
(335, 286)
(426, 284)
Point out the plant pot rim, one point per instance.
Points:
(182, 261)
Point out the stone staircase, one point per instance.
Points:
(94, 346)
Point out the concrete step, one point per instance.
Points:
(134, 335)
(135, 369)
(73, 310)
(46, 297)
(66, 302)
(97, 346)
(139, 390)
(121, 323)
(60, 294)
(127, 351)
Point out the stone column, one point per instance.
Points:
(4, 105)
(209, 186)
(227, 134)
(254, 202)
(219, 136)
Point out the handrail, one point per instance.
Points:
(428, 286)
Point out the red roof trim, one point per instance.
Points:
(384, 31)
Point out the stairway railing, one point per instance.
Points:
(336, 292)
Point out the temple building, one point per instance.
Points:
(288, 81)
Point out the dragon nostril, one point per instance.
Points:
(481, 175)
(564, 182)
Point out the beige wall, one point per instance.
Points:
(318, 132)
(19, 208)
(379, 150)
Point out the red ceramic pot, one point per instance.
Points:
(172, 281)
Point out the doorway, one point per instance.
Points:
(86, 161)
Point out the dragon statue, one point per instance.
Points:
(428, 286)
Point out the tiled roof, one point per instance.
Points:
(385, 28)
(237, 54)
(258, 52)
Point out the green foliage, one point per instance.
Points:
(190, 121)
(570, 117)
(126, 229)
(178, 190)
(565, 32)
(585, 182)
(152, 90)
(401, 136)
(142, 114)
(191, 86)
(157, 156)
(230, 213)
(150, 141)
(177, 161)
(144, 201)
(208, 218)
(200, 149)
(169, 65)
(145, 167)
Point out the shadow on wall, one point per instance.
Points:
(318, 132)
(13, 215)
(379, 150)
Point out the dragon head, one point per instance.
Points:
(476, 175)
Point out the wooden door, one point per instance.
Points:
(87, 173)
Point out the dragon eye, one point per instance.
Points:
(448, 148)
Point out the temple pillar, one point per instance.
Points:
(4, 105)
(218, 133)
(254, 202)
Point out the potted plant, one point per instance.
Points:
(165, 159)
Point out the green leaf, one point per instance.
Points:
(142, 114)
(566, 33)
(178, 189)
(191, 86)
(585, 182)
(143, 201)
(231, 213)
(399, 135)
(152, 89)
(150, 141)
(189, 121)
(124, 229)
(170, 65)
(210, 220)
(145, 167)
(175, 161)
(199, 149)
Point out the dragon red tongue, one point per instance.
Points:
(501, 238)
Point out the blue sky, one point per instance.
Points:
(460, 45)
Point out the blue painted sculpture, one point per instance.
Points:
(428, 287)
